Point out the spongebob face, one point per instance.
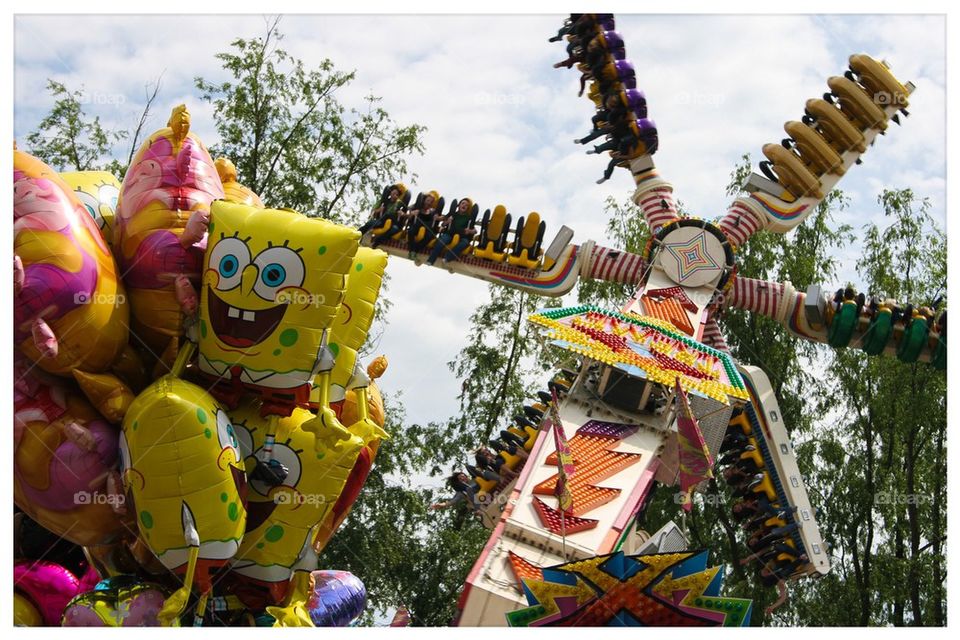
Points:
(281, 518)
(180, 455)
(273, 282)
(98, 191)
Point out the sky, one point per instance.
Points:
(501, 120)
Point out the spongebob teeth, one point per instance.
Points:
(233, 313)
(249, 316)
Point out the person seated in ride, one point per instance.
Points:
(465, 489)
(457, 223)
(386, 210)
(489, 461)
(510, 447)
(640, 137)
(420, 218)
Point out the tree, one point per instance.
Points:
(69, 140)
(293, 142)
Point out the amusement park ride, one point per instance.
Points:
(619, 404)
(190, 360)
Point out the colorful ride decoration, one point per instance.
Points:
(338, 598)
(69, 308)
(64, 453)
(99, 192)
(272, 287)
(118, 601)
(161, 221)
(661, 590)
(644, 347)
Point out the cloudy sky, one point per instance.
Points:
(501, 120)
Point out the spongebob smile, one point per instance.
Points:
(242, 328)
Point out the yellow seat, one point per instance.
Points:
(880, 84)
(391, 228)
(492, 242)
(766, 487)
(754, 455)
(856, 104)
(526, 251)
(512, 461)
(835, 127)
(792, 174)
(486, 486)
(814, 150)
(456, 237)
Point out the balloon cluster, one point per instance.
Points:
(599, 54)
(189, 405)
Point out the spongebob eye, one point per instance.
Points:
(225, 432)
(245, 438)
(280, 267)
(229, 258)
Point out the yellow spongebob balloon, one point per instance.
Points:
(181, 461)
(282, 520)
(355, 316)
(98, 191)
(273, 281)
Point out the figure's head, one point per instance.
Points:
(273, 280)
(464, 205)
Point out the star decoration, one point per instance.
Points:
(692, 256)
(666, 589)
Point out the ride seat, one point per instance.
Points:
(526, 251)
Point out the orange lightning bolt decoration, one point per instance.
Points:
(595, 460)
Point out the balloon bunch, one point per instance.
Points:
(189, 405)
(599, 54)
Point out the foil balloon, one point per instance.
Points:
(119, 601)
(99, 192)
(233, 191)
(161, 222)
(355, 316)
(41, 592)
(282, 519)
(63, 455)
(272, 285)
(180, 460)
(69, 308)
(338, 598)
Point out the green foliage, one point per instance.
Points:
(69, 140)
(292, 140)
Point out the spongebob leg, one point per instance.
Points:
(173, 607)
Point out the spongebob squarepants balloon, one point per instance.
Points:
(273, 281)
(181, 462)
